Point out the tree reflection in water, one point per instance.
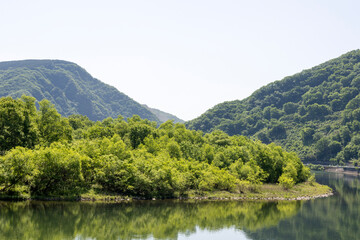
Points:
(333, 218)
(159, 219)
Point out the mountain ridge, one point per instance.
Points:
(311, 112)
(69, 87)
(164, 116)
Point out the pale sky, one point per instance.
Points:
(184, 56)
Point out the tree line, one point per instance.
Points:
(45, 154)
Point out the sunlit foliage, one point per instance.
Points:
(71, 156)
(315, 113)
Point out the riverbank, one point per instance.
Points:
(348, 170)
(341, 170)
(268, 192)
(273, 192)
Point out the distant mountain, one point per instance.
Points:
(163, 116)
(315, 113)
(69, 87)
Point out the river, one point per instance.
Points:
(336, 217)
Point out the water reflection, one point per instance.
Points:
(336, 217)
(139, 220)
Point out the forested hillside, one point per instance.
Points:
(45, 154)
(315, 113)
(69, 87)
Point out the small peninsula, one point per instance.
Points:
(47, 156)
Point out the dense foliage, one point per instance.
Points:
(45, 154)
(315, 113)
(69, 87)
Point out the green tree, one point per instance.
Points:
(174, 150)
(138, 133)
(52, 127)
(290, 107)
(17, 169)
(278, 131)
(307, 134)
(11, 123)
(58, 173)
(30, 137)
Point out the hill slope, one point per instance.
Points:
(69, 87)
(164, 116)
(315, 113)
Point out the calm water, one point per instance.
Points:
(337, 217)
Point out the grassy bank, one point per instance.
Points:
(302, 191)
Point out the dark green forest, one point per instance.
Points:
(45, 154)
(315, 113)
(69, 87)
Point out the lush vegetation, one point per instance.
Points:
(316, 167)
(45, 154)
(69, 87)
(315, 113)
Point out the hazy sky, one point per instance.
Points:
(184, 56)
